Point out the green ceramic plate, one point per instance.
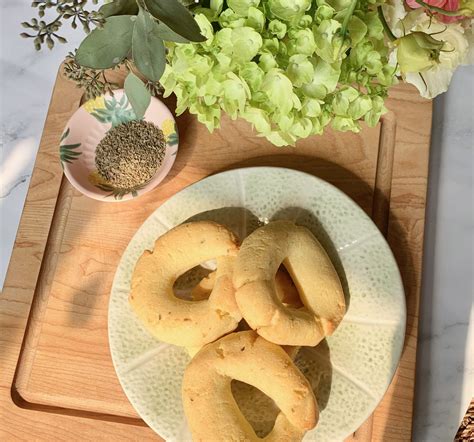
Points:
(349, 372)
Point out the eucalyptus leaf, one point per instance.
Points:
(148, 50)
(168, 34)
(106, 47)
(119, 7)
(137, 94)
(176, 16)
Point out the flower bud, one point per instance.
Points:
(417, 52)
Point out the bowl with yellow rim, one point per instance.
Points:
(90, 124)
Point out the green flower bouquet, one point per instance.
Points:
(289, 67)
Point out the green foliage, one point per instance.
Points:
(148, 49)
(176, 16)
(94, 82)
(108, 46)
(288, 67)
(119, 7)
(119, 35)
(137, 94)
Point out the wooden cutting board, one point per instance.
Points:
(56, 375)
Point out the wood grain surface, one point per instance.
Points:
(56, 375)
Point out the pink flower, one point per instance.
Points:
(447, 5)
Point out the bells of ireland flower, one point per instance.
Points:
(241, 7)
(417, 52)
(289, 10)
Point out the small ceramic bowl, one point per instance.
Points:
(88, 126)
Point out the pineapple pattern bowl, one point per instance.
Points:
(86, 128)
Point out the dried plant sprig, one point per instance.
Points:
(71, 10)
(154, 87)
(131, 35)
(93, 81)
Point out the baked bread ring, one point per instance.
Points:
(175, 320)
(311, 269)
(285, 289)
(210, 407)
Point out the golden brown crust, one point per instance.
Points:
(208, 402)
(285, 290)
(175, 320)
(319, 287)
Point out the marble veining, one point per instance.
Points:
(445, 375)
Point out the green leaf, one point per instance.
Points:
(168, 34)
(177, 17)
(137, 94)
(105, 47)
(148, 50)
(119, 7)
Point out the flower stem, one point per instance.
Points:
(439, 10)
(350, 11)
(385, 25)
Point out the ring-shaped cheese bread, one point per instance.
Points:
(178, 321)
(285, 291)
(210, 407)
(318, 284)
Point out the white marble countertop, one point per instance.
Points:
(445, 357)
